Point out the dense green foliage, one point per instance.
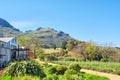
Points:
(89, 51)
(70, 73)
(52, 72)
(24, 67)
(64, 45)
(75, 66)
(60, 70)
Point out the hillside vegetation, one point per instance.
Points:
(48, 36)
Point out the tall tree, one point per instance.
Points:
(23, 41)
(80, 51)
(34, 43)
(91, 50)
(107, 52)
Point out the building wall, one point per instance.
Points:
(12, 44)
(5, 55)
(5, 49)
(22, 55)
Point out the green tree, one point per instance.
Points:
(64, 43)
(91, 51)
(23, 41)
(54, 46)
(31, 43)
(80, 51)
(71, 43)
(107, 52)
(34, 44)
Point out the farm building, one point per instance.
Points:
(10, 50)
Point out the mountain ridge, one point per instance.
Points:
(48, 36)
(4, 23)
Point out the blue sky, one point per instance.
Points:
(97, 20)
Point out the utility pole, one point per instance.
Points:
(18, 51)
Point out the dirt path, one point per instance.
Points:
(44, 62)
(110, 76)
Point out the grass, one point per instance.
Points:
(51, 50)
(69, 76)
(109, 67)
(26, 77)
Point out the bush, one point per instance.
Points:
(51, 58)
(52, 70)
(26, 77)
(61, 69)
(24, 67)
(51, 77)
(41, 57)
(75, 66)
(71, 74)
(105, 60)
(116, 72)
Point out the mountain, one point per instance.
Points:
(48, 36)
(4, 23)
(6, 29)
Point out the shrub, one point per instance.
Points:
(26, 77)
(24, 67)
(75, 66)
(51, 77)
(41, 57)
(61, 69)
(71, 74)
(74, 77)
(116, 72)
(52, 70)
(105, 60)
(51, 58)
